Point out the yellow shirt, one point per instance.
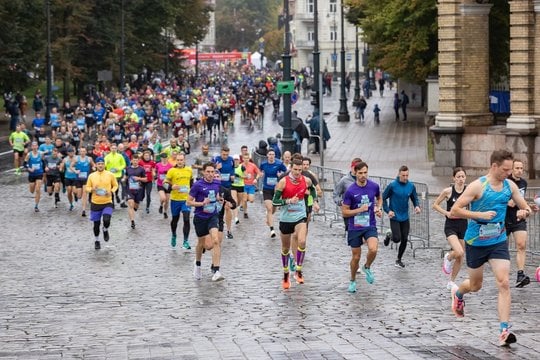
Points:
(182, 177)
(115, 163)
(105, 184)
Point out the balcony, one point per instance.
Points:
(304, 44)
(305, 17)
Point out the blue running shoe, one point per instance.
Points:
(369, 275)
(292, 265)
(352, 287)
(185, 245)
(173, 241)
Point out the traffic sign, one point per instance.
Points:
(349, 56)
(285, 87)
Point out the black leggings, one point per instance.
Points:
(106, 224)
(400, 234)
(174, 224)
(147, 193)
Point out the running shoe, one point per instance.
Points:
(83, 214)
(246, 216)
(292, 265)
(450, 285)
(160, 209)
(36, 209)
(123, 205)
(106, 235)
(400, 264)
(236, 221)
(506, 338)
(56, 203)
(185, 245)
(18, 171)
(97, 245)
(117, 199)
(70, 207)
(299, 277)
(286, 282)
(352, 286)
(272, 234)
(241, 208)
(197, 272)
(447, 265)
(133, 225)
(165, 216)
(369, 275)
(458, 305)
(217, 276)
(148, 210)
(387, 238)
(522, 280)
(229, 235)
(173, 241)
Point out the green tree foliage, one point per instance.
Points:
(402, 35)
(85, 37)
(257, 18)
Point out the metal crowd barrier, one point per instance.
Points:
(420, 223)
(533, 228)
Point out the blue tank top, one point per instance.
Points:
(68, 173)
(35, 162)
(482, 232)
(83, 166)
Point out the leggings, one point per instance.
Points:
(400, 234)
(174, 224)
(147, 193)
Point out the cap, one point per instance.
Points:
(99, 160)
(70, 149)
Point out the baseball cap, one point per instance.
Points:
(99, 160)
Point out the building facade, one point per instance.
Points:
(209, 42)
(303, 35)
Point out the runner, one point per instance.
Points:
(134, 177)
(33, 162)
(271, 170)
(101, 184)
(454, 229)
(52, 171)
(83, 166)
(237, 188)
(149, 167)
(164, 194)
(180, 179)
(252, 174)
(225, 165)
(70, 176)
(18, 141)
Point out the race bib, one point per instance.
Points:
(361, 219)
(83, 175)
(101, 192)
(133, 184)
(271, 181)
(209, 208)
(184, 189)
(489, 231)
(225, 177)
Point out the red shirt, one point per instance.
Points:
(291, 189)
(148, 167)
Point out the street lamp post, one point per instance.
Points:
(356, 70)
(122, 47)
(287, 142)
(343, 114)
(49, 63)
(196, 61)
(334, 55)
(316, 59)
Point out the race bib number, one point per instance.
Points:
(361, 219)
(83, 175)
(271, 181)
(133, 184)
(225, 177)
(489, 231)
(101, 192)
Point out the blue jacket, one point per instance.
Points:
(399, 194)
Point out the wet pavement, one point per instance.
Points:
(137, 299)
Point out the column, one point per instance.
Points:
(522, 64)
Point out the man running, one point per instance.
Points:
(34, 164)
(101, 184)
(361, 203)
(485, 238)
(135, 177)
(271, 170)
(18, 141)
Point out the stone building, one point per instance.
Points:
(464, 132)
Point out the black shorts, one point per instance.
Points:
(161, 188)
(20, 152)
(287, 228)
(79, 183)
(136, 196)
(70, 182)
(455, 227)
(268, 194)
(238, 189)
(479, 255)
(53, 179)
(33, 178)
(203, 226)
(519, 226)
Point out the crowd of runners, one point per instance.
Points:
(111, 151)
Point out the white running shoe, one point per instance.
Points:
(272, 234)
(236, 221)
(450, 285)
(217, 276)
(447, 265)
(197, 272)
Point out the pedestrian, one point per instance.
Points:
(314, 129)
(454, 229)
(397, 105)
(518, 227)
(404, 102)
(396, 198)
(348, 82)
(102, 185)
(484, 202)
(360, 108)
(179, 180)
(290, 193)
(381, 86)
(361, 203)
(376, 112)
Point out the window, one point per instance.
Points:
(311, 35)
(333, 6)
(333, 33)
(311, 6)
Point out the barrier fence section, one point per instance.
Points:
(533, 228)
(419, 230)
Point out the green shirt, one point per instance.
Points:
(18, 139)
